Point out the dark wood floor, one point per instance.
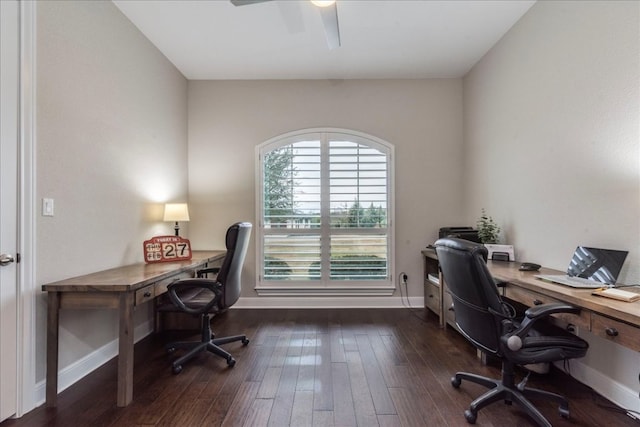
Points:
(364, 367)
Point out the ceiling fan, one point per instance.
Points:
(328, 12)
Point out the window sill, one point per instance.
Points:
(282, 290)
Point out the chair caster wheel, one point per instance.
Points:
(455, 382)
(470, 416)
(231, 362)
(564, 412)
(245, 341)
(177, 369)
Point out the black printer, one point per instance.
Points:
(467, 233)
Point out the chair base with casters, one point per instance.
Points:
(208, 343)
(506, 389)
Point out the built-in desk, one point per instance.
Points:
(122, 289)
(613, 320)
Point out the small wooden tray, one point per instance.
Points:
(617, 294)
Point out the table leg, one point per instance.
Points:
(53, 316)
(125, 353)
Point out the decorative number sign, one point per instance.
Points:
(167, 249)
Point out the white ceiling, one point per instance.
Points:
(213, 39)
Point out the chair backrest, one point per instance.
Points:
(237, 242)
(475, 294)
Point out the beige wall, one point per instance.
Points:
(421, 118)
(552, 143)
(111, 147)
(550, 116)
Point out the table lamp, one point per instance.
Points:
(176, 212)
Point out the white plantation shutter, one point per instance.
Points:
(291, 242)
(358, 190)
(325, 210)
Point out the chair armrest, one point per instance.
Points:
(185, 284)
(550, 308)
(204, 271)
(513, 340)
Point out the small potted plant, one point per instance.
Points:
(488, 230)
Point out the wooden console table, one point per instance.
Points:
(122, 289)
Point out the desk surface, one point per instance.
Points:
(508, 271)
(130, 277)
(628, 312)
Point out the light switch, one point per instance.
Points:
(47, 207)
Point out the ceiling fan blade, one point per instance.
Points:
(330, 21)
(246, 2)
(291, 14)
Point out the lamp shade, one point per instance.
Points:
(323, 3)
(176, 212)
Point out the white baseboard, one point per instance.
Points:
(329, 302)
(616, 392)
(92, 361)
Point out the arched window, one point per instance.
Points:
(325, 213)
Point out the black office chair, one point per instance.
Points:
(489, 323)
(202, 296)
